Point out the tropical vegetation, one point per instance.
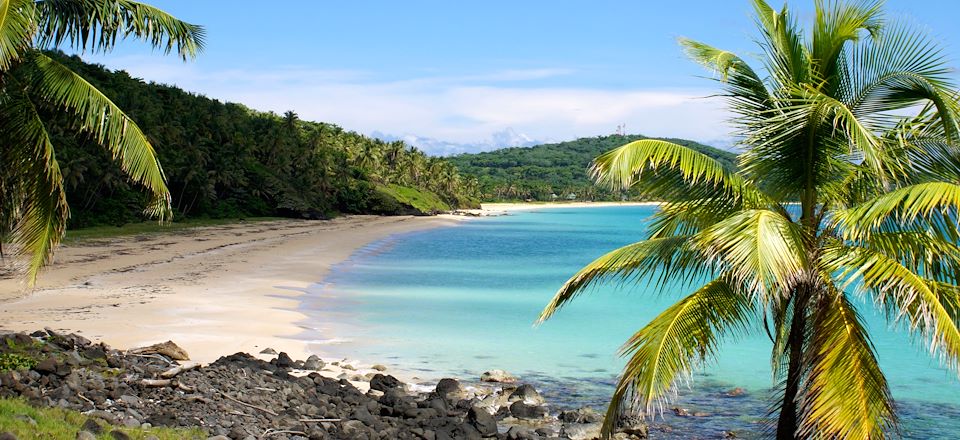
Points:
(34, 86)
(555, 171)
(846, 197)
(224, 160)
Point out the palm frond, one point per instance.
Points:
(746, 92)
(97, 115)
(928, 205)
(669, 257)
(846, 395)
(43, 207)
(787, 58)
(894, 71)
(670, 172)
(837, 24)
(16, 30)
(674, 343)
(760, 249)
(926, 307)
(95, 25)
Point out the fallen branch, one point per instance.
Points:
(179, 369)
(249, 405)
(155, 383)
(186, 388)
(320, 420)
(85, 399)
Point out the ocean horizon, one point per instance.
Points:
(458, 301)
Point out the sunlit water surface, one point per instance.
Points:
(462, 300)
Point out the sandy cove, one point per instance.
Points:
(213, 290)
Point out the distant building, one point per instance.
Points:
(571, 196)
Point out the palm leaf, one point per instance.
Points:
(42, 211)
(673, 344)
(97, 115)
(95, 25)
(929, 204)
(759, 248)
(16, 30)
(670, 172)
(927, 307)
(846, 394)
(669, 257)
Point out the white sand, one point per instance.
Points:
(212, 290)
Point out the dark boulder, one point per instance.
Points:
(521, 410)
(483, 421)
(383, 383)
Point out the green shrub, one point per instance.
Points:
(14, 361)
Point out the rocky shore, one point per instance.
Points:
(242, 397)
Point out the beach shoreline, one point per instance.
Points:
(213, 290)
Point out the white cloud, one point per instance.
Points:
(463, 110)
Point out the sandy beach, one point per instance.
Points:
(213, 290)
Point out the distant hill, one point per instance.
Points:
(224, 160)
(554, 171)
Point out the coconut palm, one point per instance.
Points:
(840, 200)
(33, 85)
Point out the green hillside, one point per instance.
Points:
(554, 171)
(224, 160)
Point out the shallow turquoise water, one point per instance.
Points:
(462, 300)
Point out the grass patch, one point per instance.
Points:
(424, 201)
(153, 227)
(57, 423)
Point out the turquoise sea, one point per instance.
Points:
(457, 301)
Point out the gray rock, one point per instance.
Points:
(7, 436)
(519, 433)
(447, 386)
(46, 366)
(527, 394)
(483, 421)
(92, 426)
(379, 367)
(218, 437)
(582, 415)
(521, 410)
(497, 376)
(86, 435)
(313, 363)
(582, 431)
(352, 428)
(119, 435)
(268, 351)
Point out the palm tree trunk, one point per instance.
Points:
(788, 422)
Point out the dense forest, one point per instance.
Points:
(555, 171)
(226, 160)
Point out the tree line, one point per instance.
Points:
(224, 160)
(558, 171)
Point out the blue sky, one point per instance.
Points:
(464, 72)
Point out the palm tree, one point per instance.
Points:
(838, 197)
(31, 84)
